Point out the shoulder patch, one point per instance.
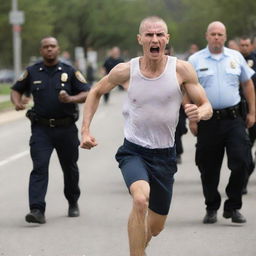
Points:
(250, 63)
(23, 76)
(80, 77)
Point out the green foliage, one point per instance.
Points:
(100, 24)
(39, 22)
(238, 16)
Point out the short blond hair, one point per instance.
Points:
(152, 19)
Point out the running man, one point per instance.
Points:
(154, 83)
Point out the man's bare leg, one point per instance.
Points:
(137, 224)
(155, 224)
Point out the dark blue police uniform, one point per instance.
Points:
(109, 64)
(251, 61)
(53, 127)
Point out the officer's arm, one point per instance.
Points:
(16, 98)
(118, 76)
(78, 98)
(194, 92)
(249, 94)
(18, 89)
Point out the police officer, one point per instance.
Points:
(56, 88)
(220, 71)
(246, 48)
(113, 59)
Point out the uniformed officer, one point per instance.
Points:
(220, 71)
(113, 59)
(246, 48)
(56, 88)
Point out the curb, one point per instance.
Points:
(11, 115)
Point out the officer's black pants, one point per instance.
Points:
(252, 136)
(42, 142)
(181, 129)
(214, 138)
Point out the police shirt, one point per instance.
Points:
(221, 77)
(111, 62)
(251, 61)
(45, 83)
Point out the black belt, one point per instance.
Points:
(54, 122)
(227, 113)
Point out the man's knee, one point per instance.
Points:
(140, 203)
(156, 230)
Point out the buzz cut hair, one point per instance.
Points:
(152, 19)
(47, 37)
(246, 37)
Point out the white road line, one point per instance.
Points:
(14, 157)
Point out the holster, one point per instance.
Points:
(243, 108)
(32, 116)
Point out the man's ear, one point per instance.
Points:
(139, 39)
(168, 38)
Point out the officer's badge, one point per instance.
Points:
(250, 63)
(232, 64)
(64, 77)
(80, 77)
(23, 76)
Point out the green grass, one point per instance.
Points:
(6, 105)
(5, 89)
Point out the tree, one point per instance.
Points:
(38, 21)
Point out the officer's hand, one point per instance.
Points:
(20, 106)
(192, 112)
(88, 141)
(193, 128)
(64, 97)
(250, 120)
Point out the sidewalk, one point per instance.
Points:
(4, 98)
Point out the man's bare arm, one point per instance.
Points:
(16, 98)
(78, 98)
(118, 76)
(201, 108)
(249, 94)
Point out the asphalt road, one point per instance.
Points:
(105, 203)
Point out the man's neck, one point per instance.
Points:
(51, 63)
(152, 68)
(153, 65)
(216, 50)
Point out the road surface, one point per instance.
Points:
(105, 203)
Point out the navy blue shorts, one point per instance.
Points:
(156, 166)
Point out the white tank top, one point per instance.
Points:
(151, 110)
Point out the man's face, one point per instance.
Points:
(115, 53)
(49, 49)
(153, 37)
(216, 37)
(245, 46)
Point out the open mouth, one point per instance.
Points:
(154, 49)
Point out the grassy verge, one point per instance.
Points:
(6, 105)
(5, 90)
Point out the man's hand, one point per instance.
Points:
(88, 141)
(250, 120)
(64, 97)
(20, 106)
(193, 128)
(192, 112)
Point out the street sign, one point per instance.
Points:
(16, 17)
